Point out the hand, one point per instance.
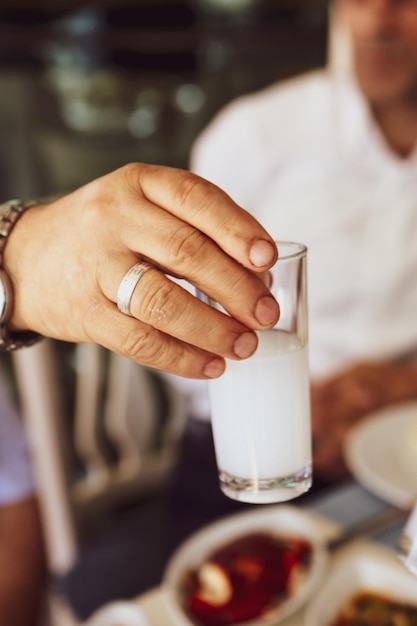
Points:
(342, 401)
(67, 258)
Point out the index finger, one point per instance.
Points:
(197, 201)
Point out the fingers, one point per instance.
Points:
(196, 241)
(210, 210)
(244, 295)
(163, 304)
(169, 322)
(157, 301)
(149, 346)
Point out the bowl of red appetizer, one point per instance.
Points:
(252, 568)
(367, 585)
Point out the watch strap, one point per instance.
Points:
(10, 212)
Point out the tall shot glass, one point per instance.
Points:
(260, 407)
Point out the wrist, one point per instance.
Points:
(10, 213)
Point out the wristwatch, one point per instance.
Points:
(9, 214)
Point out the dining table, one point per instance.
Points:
(335, 509)
(382, 484)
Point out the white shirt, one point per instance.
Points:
(305, 157)
(16, 481)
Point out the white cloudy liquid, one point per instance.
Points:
(260, 412)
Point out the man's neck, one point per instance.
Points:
(398, 123)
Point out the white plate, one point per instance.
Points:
(381, 453)
(283, 520)
(361, 566)
(118, 614)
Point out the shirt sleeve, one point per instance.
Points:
(16, 479)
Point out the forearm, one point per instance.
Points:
(367, 386)
(22, 569)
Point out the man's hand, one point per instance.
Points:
(67, 258)
(339, 403)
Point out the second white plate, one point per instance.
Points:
(381, 453)
(361, 566)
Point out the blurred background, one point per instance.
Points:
(86, 87)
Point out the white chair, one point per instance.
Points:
(117, 404)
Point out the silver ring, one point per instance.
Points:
(128, 285)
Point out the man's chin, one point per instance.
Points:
(383, 92)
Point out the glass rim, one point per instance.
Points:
(298, 249)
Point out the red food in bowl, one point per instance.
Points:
(245, 579)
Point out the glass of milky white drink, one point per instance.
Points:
(260, 407)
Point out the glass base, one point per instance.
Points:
(267, 490)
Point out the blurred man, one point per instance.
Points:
(330, 159)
